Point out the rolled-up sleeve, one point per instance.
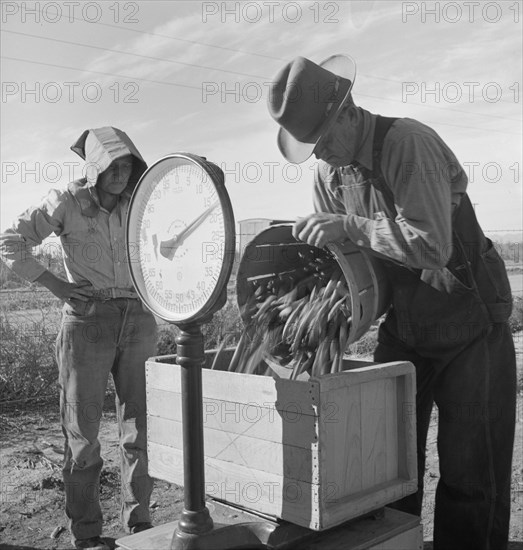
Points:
(28, 231)
(420, 171)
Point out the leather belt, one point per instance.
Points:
(105, 294)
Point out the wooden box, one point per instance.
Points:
(315, 453)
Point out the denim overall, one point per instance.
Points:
(109, 337)
(451, 323)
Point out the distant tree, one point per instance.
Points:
(48, 254)
(9, 279)
(510, 251)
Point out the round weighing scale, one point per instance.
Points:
(181, 238)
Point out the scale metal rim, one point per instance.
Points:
(219, 295)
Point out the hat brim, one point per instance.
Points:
(298, 151)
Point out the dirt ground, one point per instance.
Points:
(31, 491)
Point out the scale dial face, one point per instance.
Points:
(180, 238)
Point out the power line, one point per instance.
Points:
(200, 89)
(245, 52)
(473, 128)
(135, 54)
(217, 46)
(437, 108)
(213, 68)
(100, 72)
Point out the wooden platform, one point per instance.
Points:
(393, 531)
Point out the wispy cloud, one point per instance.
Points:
(230, 127)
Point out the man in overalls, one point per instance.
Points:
(105, 329)
(393, 187)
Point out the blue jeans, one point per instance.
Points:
(115, 336)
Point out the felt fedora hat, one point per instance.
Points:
(305, 100)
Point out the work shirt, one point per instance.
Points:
(93, 246)
(425, 180)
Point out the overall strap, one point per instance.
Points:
(383, 125)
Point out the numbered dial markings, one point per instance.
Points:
(179, 229)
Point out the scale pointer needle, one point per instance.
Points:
(155, 244)
(168, 248)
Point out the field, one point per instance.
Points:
(31, 498)
(516, 280)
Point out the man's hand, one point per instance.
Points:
(320, 228)
(64, 290)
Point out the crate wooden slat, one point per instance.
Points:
(316, 453)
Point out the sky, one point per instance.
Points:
(193, 76)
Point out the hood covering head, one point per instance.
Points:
(100, 147)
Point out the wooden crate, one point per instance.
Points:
(316, 453)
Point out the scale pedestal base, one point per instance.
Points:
(392, 530)
(241, 536)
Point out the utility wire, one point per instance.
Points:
(473, 128)
(100, 72)
(434, 107)
(247, 74)
(245, 52)
(199, 89)
(135, 54)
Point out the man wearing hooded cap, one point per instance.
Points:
(394, 188)
(104, 327)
